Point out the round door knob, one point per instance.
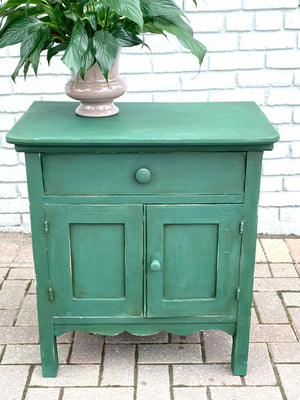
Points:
(143, 175)
(155, 266)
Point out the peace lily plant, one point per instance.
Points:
(88, 32)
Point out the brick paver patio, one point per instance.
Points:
(159, 367)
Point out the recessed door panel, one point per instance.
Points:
(103, 245)
(193, 254)
(96, 259)
(190, 266)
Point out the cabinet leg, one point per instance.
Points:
(239, 354)
(49, 355)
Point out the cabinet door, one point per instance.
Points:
(95, 259)
(193, 256)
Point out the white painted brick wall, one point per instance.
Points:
(253, 54)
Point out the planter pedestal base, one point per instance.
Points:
(97, 109)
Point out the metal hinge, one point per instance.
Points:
(51, 292)
(242, 223)
(238, 294)
(46, 227)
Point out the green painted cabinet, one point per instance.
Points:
(145, 221)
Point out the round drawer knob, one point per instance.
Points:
(155, 266)
(143, 175)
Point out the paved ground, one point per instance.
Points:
(159, 367)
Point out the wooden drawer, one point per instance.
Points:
(163, 173)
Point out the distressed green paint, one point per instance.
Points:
(217, 280)
(170, 124)
(114, 263)
(116, 249)
(198, 173)
(240, 345)
(48, 345)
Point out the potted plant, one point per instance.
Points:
(90, 34)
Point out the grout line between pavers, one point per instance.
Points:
(26, 386)
(71, 349)
(110, 386)
(289, 250)
(169, 338)
(264, 251)
(22, 302)
(5, 277)
(17, 253)
(256, 311)
(135, 372)
(276, 373)
(286, 309)
(101, 368)
(2, 353)
(279, 294)
(208, 393)
(243, 380)
(61, 393)
(202, 347)
(171, 381)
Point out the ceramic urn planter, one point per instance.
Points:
(94, 93)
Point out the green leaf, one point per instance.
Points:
(88, 59)
(76, 48)
(150, 27)
(106, 49)
(100, 11)
(130, 9)
(26, 68)
(6, 8)
(31, 40)
(125, 38)
(92, 18)
(14, 32)
(69, 13)
(185, 36)
(156, 8)
(42, 37)
(18, 67)
(56, 49)
(74, 11)
(22, 12)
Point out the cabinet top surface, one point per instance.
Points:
(205, 124)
